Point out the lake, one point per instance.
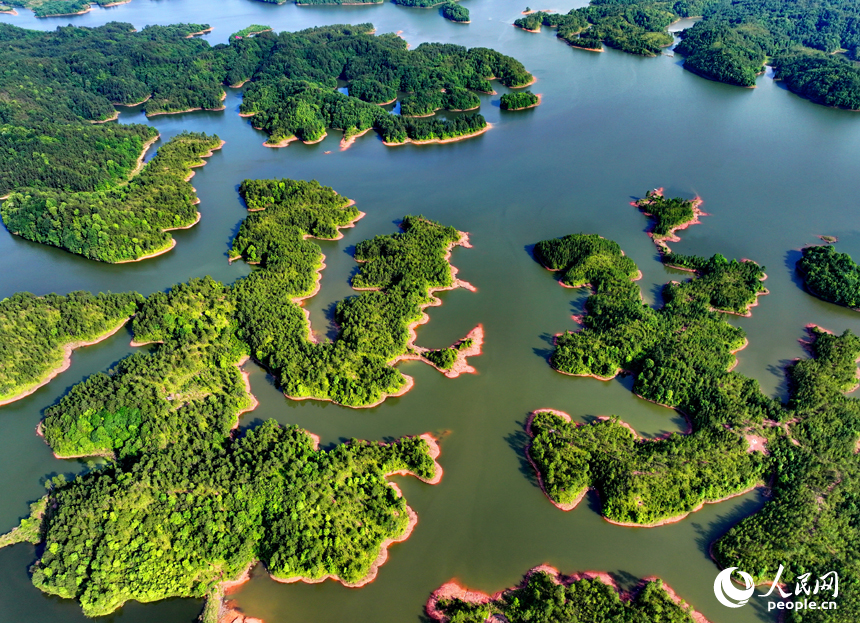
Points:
(775, 171)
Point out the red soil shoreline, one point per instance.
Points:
(67, 361)
(372, 572)
(453, 590)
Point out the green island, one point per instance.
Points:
(519, 101)
(193, 517)
(39, 333)
(190, 385)
(669, 215)
(546, 596)
(128, 222)
(681, 356)
(812, 46)
(58, 8)
(830, 275)
(77, 183)
(291, 100)
(455, 12)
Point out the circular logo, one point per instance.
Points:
(728, 594)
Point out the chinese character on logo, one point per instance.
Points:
(828, 582)
(775, 585)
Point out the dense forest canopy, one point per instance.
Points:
(811, 44)
(547, 597)
(36, 331)
(178, 521)
(830, 275)
(127, 221)
(681, 355)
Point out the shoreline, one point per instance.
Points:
(254, 402)
(662, 240)
(113, 117)
(144, 100)
(461, 365)
(569, 506)
(410, 344)
(441, 140)
(535, 105)
(140, 159)
(68, 349)
(150, 255)
(346, 143)
(453, 590)
(197, 220)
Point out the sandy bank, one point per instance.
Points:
(113, 117)
(441, 140)
(66, 362)
(460, 366)
(189, 226)
(254, 402)
(346, 143)
(150, 255)
(198, 33)
(453, 590)
(140, 159)
(662, 240)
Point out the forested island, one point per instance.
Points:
(811, 45)
(68, 173)
(830, 275)
(545, 596)
(519, 101)
(38, 334)
(127, 222)
(455, 12)
(190, 384)
(55, 8)
(183, 520)
(682, 357)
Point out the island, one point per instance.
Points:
(830, 275)
(128, 222)
(59, 8)
(519, 101)
(681, 355)
(58, 157)
(455, 12)
(191, 385)
(811, 46)
(547, 595)
(39, 333)
(193, 517)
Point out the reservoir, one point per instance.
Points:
(775, 171)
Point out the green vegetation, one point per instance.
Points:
(291, 97)
(30, 528)
(50, 8)
(455, 12)
(668, 214)
(178, 521)
(810, 44)
(640, 482)
(250, 31)
(681, 356)
(730, 286)
(831, 276)
(36, 332)
(189, 387)
(421, 4)
(69, 157)
(53, 83)
(519, 101)
(426, 103)
(126, 222)
(546, 598)
(587, 259)
(445, 358)
(634, 27)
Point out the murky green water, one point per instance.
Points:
(774, 171)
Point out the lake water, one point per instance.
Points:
(774, 170)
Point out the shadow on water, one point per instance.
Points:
(707, 534)
(518, 441)
(545, 353)
(779, 371)
(331, 330)
(792, 256)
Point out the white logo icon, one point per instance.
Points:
(728, 594)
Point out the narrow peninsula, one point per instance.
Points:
(547, 595)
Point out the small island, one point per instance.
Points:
(669, 215)
(547, 595)
(830, 275)
(519, 101)
(455, 12)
